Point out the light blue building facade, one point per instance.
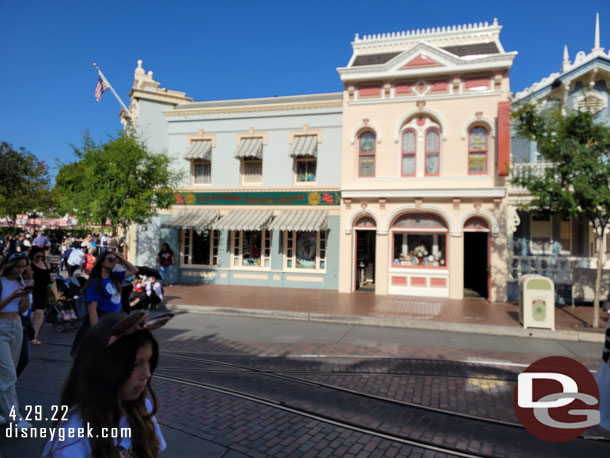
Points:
(549, 245)
(260, 201)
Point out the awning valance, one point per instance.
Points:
(250, 147)
(199, 149)
(301, 220)
(244, 220)
(199, 220)
(304, 145)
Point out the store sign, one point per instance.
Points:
(259, 198)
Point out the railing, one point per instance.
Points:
(524, 169)
(558, 268)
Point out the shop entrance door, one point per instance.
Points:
(365, 261)
(476, 264)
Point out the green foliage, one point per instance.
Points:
(119, 180)
(24, 182)
(578, 184)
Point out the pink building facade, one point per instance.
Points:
(425, 154)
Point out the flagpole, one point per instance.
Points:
(112, 89)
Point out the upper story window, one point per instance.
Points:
(477, 151)
(199, 153)
(250, 151)
(433, 151)
(202, 172)
(409, 149)
(366, 154)
(304, 150)
(306, 170)
(252, 171)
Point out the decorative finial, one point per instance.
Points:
(597, 49)
(139, 63)
(495, 21)
(566, 59)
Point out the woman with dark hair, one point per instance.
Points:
(103, 290)
(14, 300)
(42, 280)
(108, 387)
(166, 261)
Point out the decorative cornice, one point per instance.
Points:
(255, 108)
(424, 193)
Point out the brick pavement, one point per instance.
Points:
(467, 311)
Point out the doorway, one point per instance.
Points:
(365, 261)
(476, 264)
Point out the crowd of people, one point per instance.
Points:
(114, 353)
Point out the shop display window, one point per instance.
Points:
(419, 240)
(305, 250)
(251, 249)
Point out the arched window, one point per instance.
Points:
(409, 143)
(366, 154)
(366, 221)
(433, 152)
(477, 151)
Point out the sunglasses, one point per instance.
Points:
(111, 259)
(16, 256)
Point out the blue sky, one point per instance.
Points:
(235, 49)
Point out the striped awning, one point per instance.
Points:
(304, 145)
(199, 149)
(199, 220)
(244, 220)
(301, 220)
(250, 147)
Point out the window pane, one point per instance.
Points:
(367, 166)
(478, 138)
(432, 164)
(477, 162)
(408, 164)
(367, 142)
(253, 171)
(412, 249)
(251, 250)
(408, 142)
(201, 247)
(306, 170)
(306, 250)
(432, 141)
(203, 172)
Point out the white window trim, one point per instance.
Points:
(183, 253)
(239, 250)
(293, 258)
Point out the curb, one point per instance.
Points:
(394, 322)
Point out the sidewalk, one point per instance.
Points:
(466, 315)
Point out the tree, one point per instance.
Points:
(24, 182)
(119, 180)
(578, 183)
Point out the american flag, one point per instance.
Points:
(100, 88)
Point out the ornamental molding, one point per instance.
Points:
(356, 215)
(486, 215)
(251, 134)
(478, 121)
(304, 132)
(448, 193)
(366, 124)
(256, 108)
(411, 208)
(199, 136)
(420, 112)
(580, 61)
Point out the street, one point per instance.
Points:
(238, 386)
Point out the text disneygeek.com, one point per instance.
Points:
(12, 432)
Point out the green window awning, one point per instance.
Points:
(199, 220)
